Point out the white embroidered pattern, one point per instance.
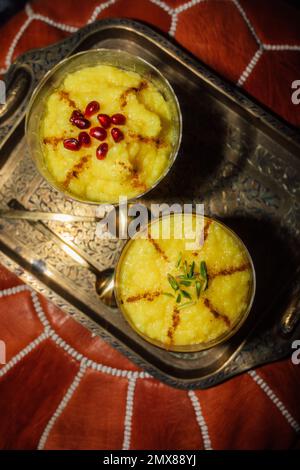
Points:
(174, 14)
(200, 420)
(248, 70)
(85, 362)
(98, 9)
(131, 376)
(129, 411)
(261, 47)
(24, 352)
(49, 332)
(64, 402)
(273, 397)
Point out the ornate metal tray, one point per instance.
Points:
(238, 159)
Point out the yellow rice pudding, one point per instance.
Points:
(131, 166)
(175, 293)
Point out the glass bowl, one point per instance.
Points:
(189, 347)
(54, 78)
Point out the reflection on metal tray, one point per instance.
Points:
(236, 158)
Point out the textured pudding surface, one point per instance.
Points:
(217, 280)
(131, 166)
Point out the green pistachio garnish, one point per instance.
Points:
(168, 294)
(203, 273)
(191, 271)
(173, 283)
(179, 260)
(185, 267)
(187, 304)
(198, 289)
(186, 294)
(189, 278)
(185, 282)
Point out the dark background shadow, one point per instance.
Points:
(275, 255)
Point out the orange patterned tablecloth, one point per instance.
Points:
(62, 388)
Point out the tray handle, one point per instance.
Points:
(291, 314)
(17, 86)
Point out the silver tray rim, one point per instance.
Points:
(243, 358)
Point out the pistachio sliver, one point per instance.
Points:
(203, 274)
(203, 270)
(186, 294)
(179, 260)
(178, 300)
(185, 267)
(173, 283)
(185, 282)
(191, 271)
(187, 304)
(198, 289)
(185, 277)
(168, 294)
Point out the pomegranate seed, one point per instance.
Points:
(92, 108)
(117, 134)
(72, 144)
(104, 120)
(98, 132)
(84, 139)
(81, 123)
(101, 151)
(118, 119)
(76, 115)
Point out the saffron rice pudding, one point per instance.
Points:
(181, 297)
(107, 132)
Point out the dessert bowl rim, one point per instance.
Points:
(191, 347)
(45, 80)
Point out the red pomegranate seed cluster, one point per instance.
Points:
(80, 120)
